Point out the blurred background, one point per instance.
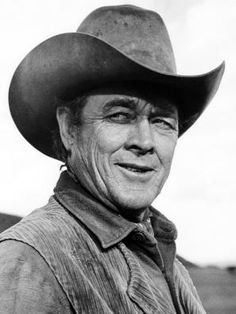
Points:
(199, 196)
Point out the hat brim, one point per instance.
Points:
(66, 65)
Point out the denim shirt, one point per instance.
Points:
(74, 255)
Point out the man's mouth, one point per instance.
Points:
(135, 167)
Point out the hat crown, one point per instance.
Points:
(138, 33)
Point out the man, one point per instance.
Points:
(107, 101)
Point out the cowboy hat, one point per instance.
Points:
(113, 44)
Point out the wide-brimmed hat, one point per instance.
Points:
(113, 44)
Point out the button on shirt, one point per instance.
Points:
(74, 255)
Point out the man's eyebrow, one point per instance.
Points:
(162, 109)
(125, 102)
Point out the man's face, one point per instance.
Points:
(123, 151)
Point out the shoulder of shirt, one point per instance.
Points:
(48, 214)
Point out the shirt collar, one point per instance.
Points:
(107, 225)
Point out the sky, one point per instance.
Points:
(199, 196)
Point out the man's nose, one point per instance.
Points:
(140, 139)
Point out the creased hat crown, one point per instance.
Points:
(138, 33)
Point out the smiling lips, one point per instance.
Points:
(136, 168)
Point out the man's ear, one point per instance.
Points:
(65, 127)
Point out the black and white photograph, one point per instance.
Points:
(118, 151)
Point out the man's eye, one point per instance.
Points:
(121, 117)
(164, 124)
